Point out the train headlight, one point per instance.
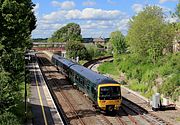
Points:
(103, 101)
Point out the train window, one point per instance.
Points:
(76, 77)
(92, 90)
(82, 82)
(88, 87)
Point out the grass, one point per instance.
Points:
(178, 119)
(109, 68)
(81, 62)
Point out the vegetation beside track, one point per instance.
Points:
(145, 56)
(147, 78)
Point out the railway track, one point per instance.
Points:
(129, 113)
(87, 64)
(147, 117)
(72, 112)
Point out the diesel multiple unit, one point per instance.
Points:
(103, 91)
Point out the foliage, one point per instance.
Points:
(77, 49)
(118, 43)
(17, 21)
(142, 74)
(6, 92)
(178, 10)
(95, 52)
(108, 68)
(138, 87)
(169, 64)
(70, 32)
(99, 46)
(7, 118)
(109, 47)
(171, 87)
(149, 34)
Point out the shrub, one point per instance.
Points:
(8, 118)
(94, 52)
(148, 93)
(108, 67)
(171, 87)
(149, 75)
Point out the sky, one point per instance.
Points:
(97, 18)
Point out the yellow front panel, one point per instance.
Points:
(102, 103)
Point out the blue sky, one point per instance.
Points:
(97, 18)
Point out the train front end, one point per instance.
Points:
(109, 97)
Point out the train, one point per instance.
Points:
(104, 92)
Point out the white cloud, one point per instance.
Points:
(91, 13)
(93, 22)
(89, 3)
(54, 16)
(66, 5)
(103, 28)
(163, 1)
(73, 14)
(137, 7)
(87, 13)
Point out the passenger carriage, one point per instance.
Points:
(103, 91)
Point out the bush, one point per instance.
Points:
(142, 73)
(169, 64)
(136, 86)
(8, 118)
(108, 68)
(149, 75)
(94, 52)
(171, 87)
(148, 93)
(77, 49)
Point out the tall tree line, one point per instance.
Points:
(71, 35)
(149, 42)
(17, 21)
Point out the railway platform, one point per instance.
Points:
(44, 110)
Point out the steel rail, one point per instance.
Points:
(67, 100)
(149, 117)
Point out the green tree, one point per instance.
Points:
(77, 49)
(149, 34)
(177, 24)
(8, 118)
(6, 91)
(94, 51)
(118, 43)
(178, 10)
(17, 21)
(70, 32)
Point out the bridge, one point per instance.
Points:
(49, 46)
